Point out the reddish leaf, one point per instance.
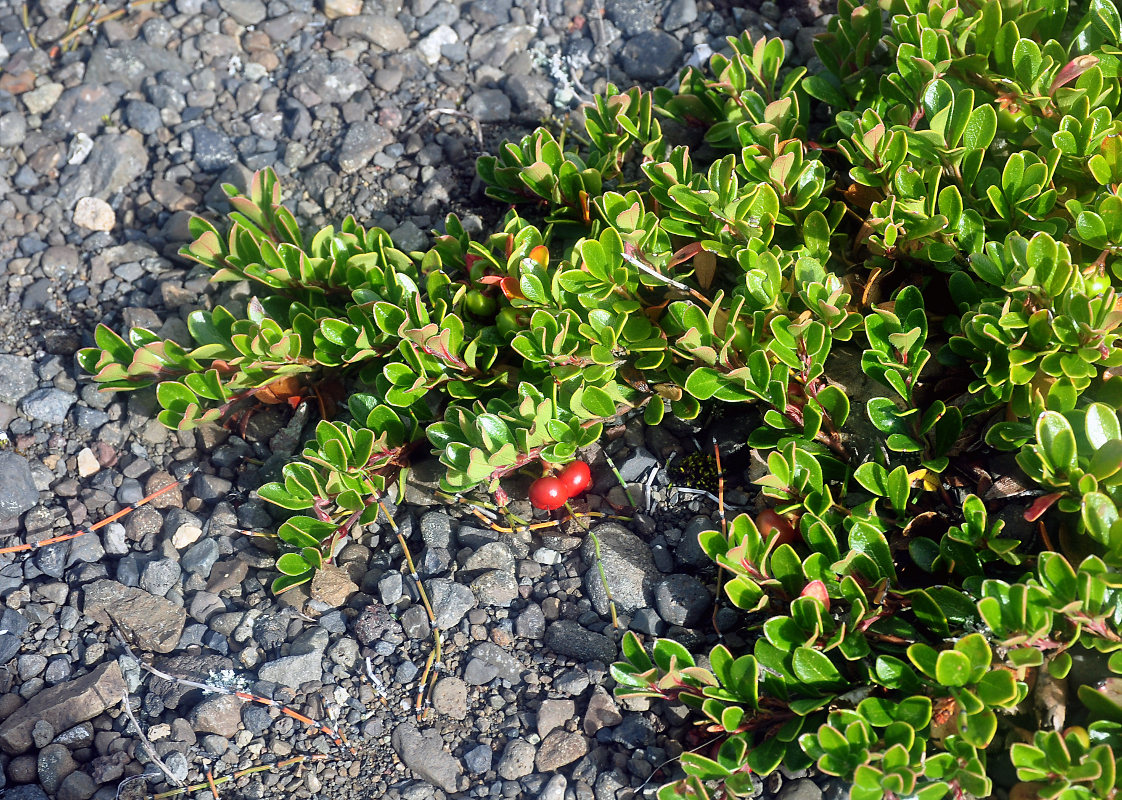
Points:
(1072, 70)
(1040, 505)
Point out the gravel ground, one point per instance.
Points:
(106, 150)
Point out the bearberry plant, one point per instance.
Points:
(936, 213)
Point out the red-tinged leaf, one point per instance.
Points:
(1072, 70)
(540, 255)
(705, 268)
(817, 590)
(684, 254)
(1040, 505)
(511, 289)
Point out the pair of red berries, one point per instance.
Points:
(552, 492)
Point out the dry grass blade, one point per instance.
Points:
(147, 744)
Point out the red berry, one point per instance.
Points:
(577, 477)
(548, 493)
(769, 520)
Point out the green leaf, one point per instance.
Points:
(292, 564)
(1101, 517)
(598, 402)
(703, 383)
(1101, 425)
(815, 669)
(276, 494)
(898, 488)
(1057, 441)
(997, 688)
(873, 477)
(666, 649)
(952, 668)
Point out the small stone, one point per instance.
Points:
(424, 753)
(154, 623)
(43, 99)
(802, 789)
(381, 30)
(244, 12)
(212, 149)
(554, 788)
(679, 14)
(429, 47)
(220, 715)
(13, 129)
(389, 587)
(560, 748)
(42, 733)
(554, 714)
(200, 558)
(517, 760)
(530, 624)
(87, 463)
(54, 764)
(602, 712)
(495, 588)
(17, 375)
(489, 105)
(646, 620)
(628, 565)
(332, 585)
(509, 667)
(478, 759)
(479, 672)
(160, 576)
(571, 682)
(95, 214)
(77, 786)
(186, 535)
(363, 140)
(449, 697)
(653, 55)
(48, 405)
(293, 671)
(415, 622)
(333, 9)
(450, 601)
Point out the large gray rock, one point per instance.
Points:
(567, 638)
(682, 600)
(116, 160)
(131, 63)
(17, 486)
(154, 623)
(424, 753)
(628, 565)
(63, 706)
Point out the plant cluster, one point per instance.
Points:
(957, 225)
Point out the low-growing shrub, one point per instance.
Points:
(956, 224)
